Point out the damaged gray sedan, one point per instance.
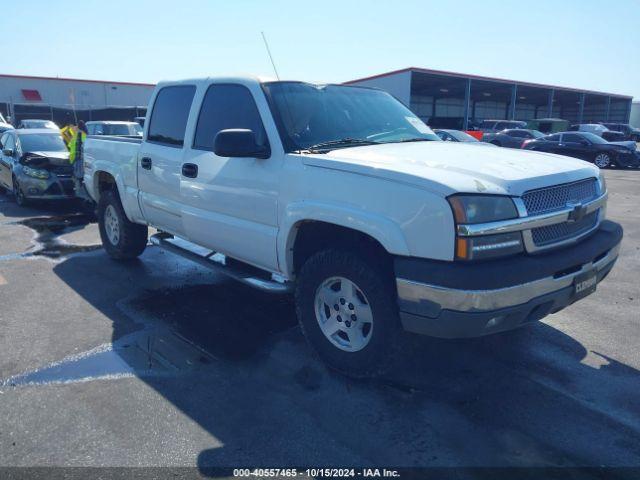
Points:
(34, 165)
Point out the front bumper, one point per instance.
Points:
(454, 299)
(53, 188)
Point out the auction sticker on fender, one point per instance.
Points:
(585, 284)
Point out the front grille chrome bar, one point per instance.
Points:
(527, 223)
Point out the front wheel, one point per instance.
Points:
(18, 194)
(122, 239)
(603, 160)
(348, 312)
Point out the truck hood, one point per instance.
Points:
(448, 167)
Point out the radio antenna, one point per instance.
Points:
(266, 44)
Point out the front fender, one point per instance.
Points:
(385, 231)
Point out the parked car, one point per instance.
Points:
(511, 138)
(588, 146)
(548, 125)
(600, 130)
(493, 126)
(4, 125)
(340, 194)
(127, 129)
(457, 136)
(629, 131)
(35, 165)
(38, 123)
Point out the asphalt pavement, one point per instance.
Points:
(160, 362)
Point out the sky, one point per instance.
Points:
(590, 44)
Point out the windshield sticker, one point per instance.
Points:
(418, 125)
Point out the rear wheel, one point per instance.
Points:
(122, 239)
(348, 312)
(603, 160)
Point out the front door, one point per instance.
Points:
(6, 162)
(161, 156)
(230, 204)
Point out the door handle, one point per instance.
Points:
(145, 162)
(190, 170)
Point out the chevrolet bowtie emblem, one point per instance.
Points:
(578, 212)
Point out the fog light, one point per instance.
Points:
(495, 321)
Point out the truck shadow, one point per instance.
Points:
(244, 374)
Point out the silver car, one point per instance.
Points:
(34, 165)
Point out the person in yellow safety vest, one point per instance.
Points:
(76, 150)
(76, 144)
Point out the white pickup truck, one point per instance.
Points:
(343, 196)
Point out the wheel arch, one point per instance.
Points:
(307, 233)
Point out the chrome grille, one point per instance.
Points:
(562, 231)
(558, 197)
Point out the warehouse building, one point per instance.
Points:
(454, 100)
(66, 100)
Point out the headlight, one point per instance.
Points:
(470, 209)
(35, 173)
(482, 208)
(602, 183)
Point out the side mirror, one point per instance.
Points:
(7, 152)
(239, 142)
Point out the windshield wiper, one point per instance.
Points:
(415, 139)
(344, 142)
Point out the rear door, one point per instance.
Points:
(161, 156)
(231, 204)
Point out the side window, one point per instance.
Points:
(10, 142)
(517, 133)
(224, 107)
(170, 114)
(553, 138)
(572, 138)
(501, 126)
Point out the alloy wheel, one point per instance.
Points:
(344, 314)
(603, 160)
(112, 225)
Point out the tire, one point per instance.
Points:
(18, 194)
(122, 239)
(369, 312)
(603, 160)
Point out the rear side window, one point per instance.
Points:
(553, 138)
(224, 107)
(170, 114)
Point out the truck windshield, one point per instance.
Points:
(333, 116)
(119, 129)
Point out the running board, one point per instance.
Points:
(218, 262)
